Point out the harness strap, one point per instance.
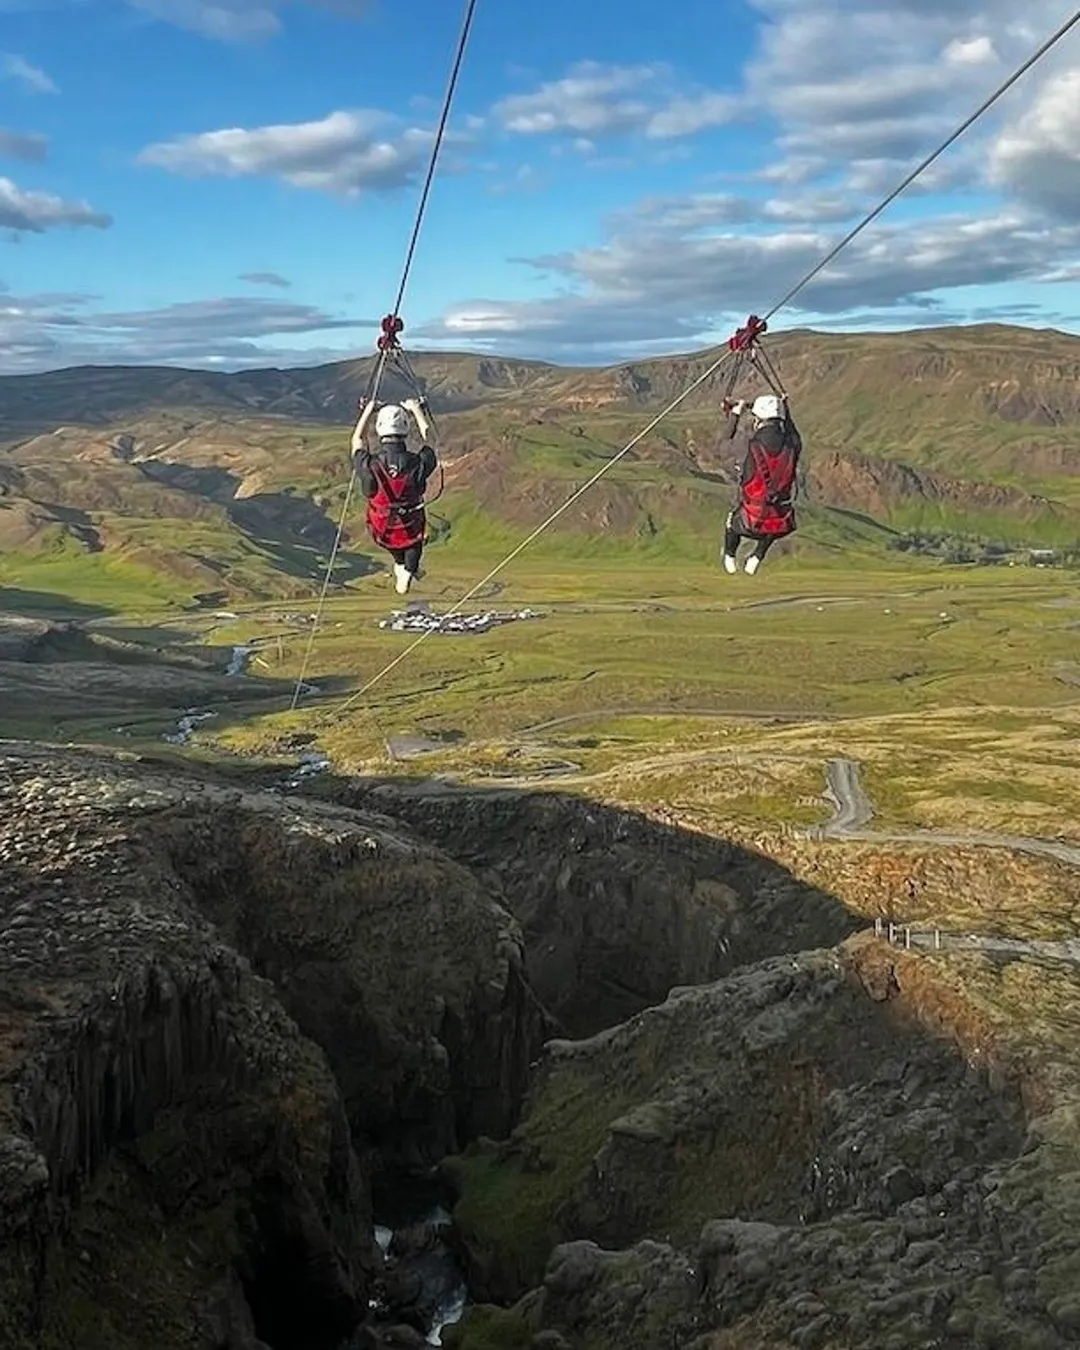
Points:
(394, 356)
(761, 464)
(379, 470)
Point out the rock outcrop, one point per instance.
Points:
(617, 909)
(860, 1148)
(385, 951)
(177, 1167)
(880, 487)
(227, 1018)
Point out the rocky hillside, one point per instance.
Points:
(235, 481)
(240, 1028)
(213, 1047)
(793, 1157)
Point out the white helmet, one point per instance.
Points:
(767, 408)
(391, 421)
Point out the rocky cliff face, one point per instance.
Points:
(176, 1166)
(386, 952)
(846, 1148)
(227, 1018)
(158, 1107)
(616, 908)
(880, 486)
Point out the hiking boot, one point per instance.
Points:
(752, 564)
(402, 579)
(730, 565)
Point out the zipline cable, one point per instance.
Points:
(920, 169)
(451, 85)
(676, 402)
(385, 351)
(299, 688)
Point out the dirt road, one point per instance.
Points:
(853, 811)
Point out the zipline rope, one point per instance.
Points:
(706, 375)
(920, 169)
(385, 351)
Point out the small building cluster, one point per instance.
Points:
(420, 621)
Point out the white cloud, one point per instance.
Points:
(793, 171)
(682, 277)
(589, 101)
(687, 116)
(595, 100)
(698, 211)
(1038, 156)
(266, 279)
(36, 212)
(226, 22)
(32, 78)
(26, 146)
(346, 153)
(976, 51)
(234, 20)
(46, 332)
(866, 80)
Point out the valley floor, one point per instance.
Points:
(957, 689)
(839, 803)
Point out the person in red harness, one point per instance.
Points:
(766, 510)
(393, 479)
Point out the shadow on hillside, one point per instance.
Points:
(46, 605)
(308, 563)
(861, 518)
(617, 908)
(297, 534)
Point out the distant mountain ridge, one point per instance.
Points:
(234, 481)
(1024, 375)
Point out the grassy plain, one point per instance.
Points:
(957, 688)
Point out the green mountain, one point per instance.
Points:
(180, 482)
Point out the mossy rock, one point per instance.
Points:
(485, 1327)
(513, 1194)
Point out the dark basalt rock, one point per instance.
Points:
(163, 1118)
(798, 1155)
(617, 909)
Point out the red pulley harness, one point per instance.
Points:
(388, 341)
(749, 352)
(744, 338)
(393, 357)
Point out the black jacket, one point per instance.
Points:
(397, 456)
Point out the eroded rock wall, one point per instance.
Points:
(163, 1125)
(861, 1148)
(386, 952)
(179, 1166)
(617, 909)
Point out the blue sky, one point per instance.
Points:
(230, 183)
